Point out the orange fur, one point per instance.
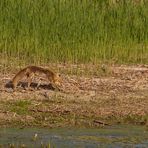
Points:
(30, 71)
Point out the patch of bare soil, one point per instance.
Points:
(117, 95)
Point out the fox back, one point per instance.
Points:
(31, 70)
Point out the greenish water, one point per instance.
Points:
(110, 137)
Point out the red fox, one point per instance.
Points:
(30, 71)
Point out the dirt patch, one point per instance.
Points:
(117, 94)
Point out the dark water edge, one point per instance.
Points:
(110, 137)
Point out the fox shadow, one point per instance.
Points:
(33, 85)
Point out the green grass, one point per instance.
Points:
(20, 107)
(73, 31)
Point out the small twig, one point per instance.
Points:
(100, 122)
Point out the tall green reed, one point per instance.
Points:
(42, 31)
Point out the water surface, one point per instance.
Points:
(109, 137)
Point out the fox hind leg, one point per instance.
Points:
(14, 86)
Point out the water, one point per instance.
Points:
(109, 137)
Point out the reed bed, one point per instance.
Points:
(75, 31)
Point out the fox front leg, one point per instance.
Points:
(38, 85)
(30, 77)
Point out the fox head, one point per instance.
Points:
(57, 79)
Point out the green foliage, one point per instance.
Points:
(41, 31)
(20, 107)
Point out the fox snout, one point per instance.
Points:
(57, 83)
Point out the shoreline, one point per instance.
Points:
(114, 97)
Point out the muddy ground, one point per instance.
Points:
(90, 96)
